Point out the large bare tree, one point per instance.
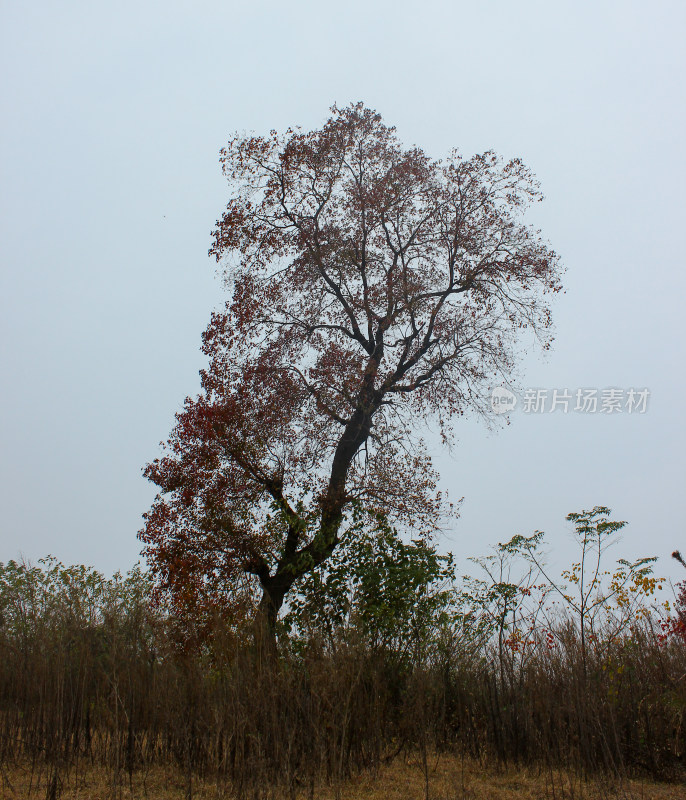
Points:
(372, 288)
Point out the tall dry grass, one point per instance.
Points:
(92, 676)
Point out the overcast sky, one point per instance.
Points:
(113, 117)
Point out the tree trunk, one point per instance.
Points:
(265, 622)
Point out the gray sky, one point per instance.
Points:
(114, 114)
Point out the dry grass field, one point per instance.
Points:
(91, 673)
(450, 778)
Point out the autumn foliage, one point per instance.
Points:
(372, 288)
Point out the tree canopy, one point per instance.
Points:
(371, 288)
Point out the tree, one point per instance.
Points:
(594, 590)
(372, 289)
(392, 593)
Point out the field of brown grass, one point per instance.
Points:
(450, 778)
